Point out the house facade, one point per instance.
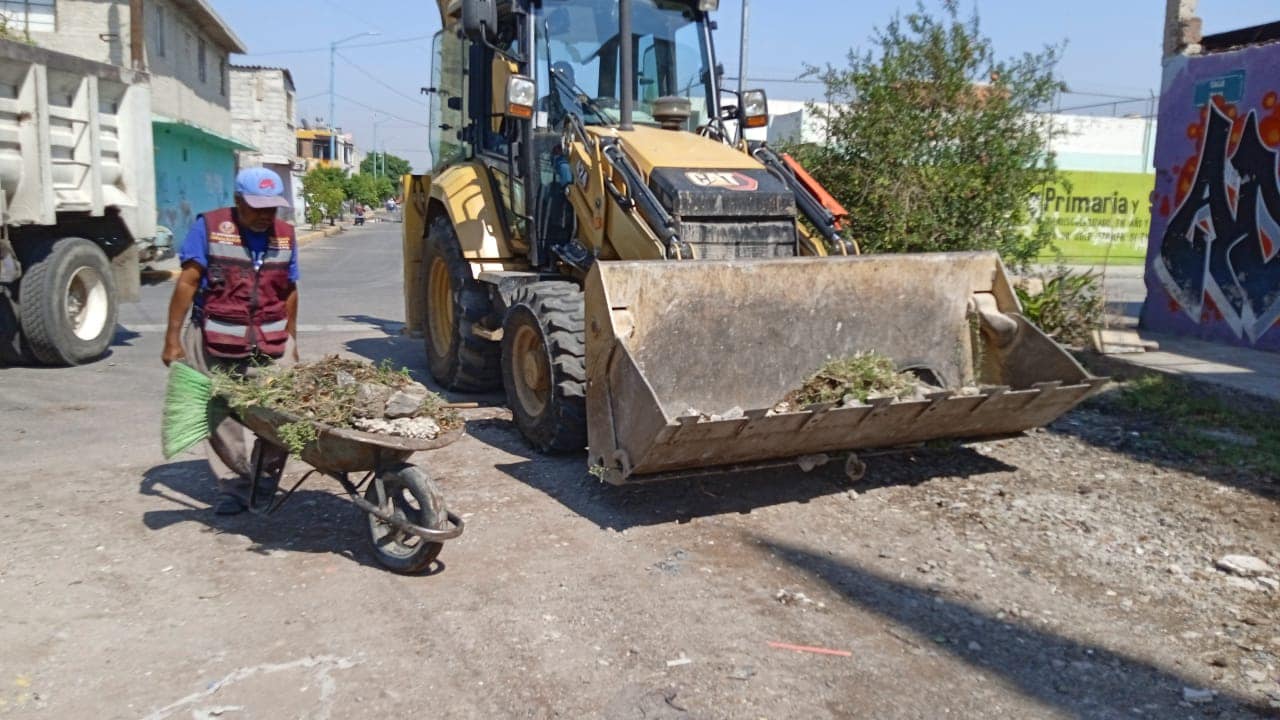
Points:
(263, 114)
(186, 48)
(315, 146)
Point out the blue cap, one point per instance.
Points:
(261, 188)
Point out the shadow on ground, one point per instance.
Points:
(1069, 676)
(1103, 422)
(316, 519)
(565, 479)
(393, 328)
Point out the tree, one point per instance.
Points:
(935, 144)
(323, 191)
(363, 189)
(394, 167)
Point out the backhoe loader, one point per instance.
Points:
(599, 239)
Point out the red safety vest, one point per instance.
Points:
(244, 310)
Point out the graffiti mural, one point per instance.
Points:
(1213, 269)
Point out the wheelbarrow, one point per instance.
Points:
(408, 521)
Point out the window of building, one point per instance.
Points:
(160, 31)
(202, 64)
(222, 77)
(28, 16)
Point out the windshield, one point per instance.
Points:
(578, 60)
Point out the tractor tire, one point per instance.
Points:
(544, 368)
(455, 304)
(67, 302)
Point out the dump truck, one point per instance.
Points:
(599, 239)
(78, 201)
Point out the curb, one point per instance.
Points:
(155, 277)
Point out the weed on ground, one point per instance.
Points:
(1203, 423)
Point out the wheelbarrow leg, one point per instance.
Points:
(258, 460)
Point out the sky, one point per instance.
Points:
(1112, 49)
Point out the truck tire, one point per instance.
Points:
(13, 346)
(456, 303)
(67, 303)
(543, 365)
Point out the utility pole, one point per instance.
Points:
(333, 126)
(742, 50)
(376, 123)
(137, 58)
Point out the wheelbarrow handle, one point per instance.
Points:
(427, 534)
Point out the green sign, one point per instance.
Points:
(1097, 216)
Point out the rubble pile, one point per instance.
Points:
(344, 393)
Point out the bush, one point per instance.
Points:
(934, 144)
(1068, 308)
(323, 191)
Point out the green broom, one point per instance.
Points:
(190, 411)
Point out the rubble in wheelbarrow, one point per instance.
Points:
(345, 393)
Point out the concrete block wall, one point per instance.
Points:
(262, 113)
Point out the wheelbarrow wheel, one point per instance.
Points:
(406, 492)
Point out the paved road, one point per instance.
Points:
(1030, 577)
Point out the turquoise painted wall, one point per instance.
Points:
(195, 173)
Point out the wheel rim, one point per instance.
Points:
(87, 303)
(531, 371)
(395, 498)
(440, 307)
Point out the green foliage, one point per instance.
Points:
(387, 188)
(1197, 422)
(863, 375)
(363, 189)
(1069, 308)
(298, 435)
(324, 189)
(394, 167)
(933, 142)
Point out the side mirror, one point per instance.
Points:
(480, 21)
(755, 109)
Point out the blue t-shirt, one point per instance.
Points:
(196, 247)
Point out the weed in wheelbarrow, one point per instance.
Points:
(340, 393)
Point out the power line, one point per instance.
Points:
(381, 82)
(384, 112)
(300, 51)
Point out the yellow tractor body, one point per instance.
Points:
(644, 281)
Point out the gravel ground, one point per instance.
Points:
(1067, 573)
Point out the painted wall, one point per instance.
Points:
(1212, 266)
(193, 175)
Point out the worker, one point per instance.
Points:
(239, 282)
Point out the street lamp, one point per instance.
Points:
(376, 123)
(333, 50)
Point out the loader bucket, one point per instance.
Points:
(672, 345)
